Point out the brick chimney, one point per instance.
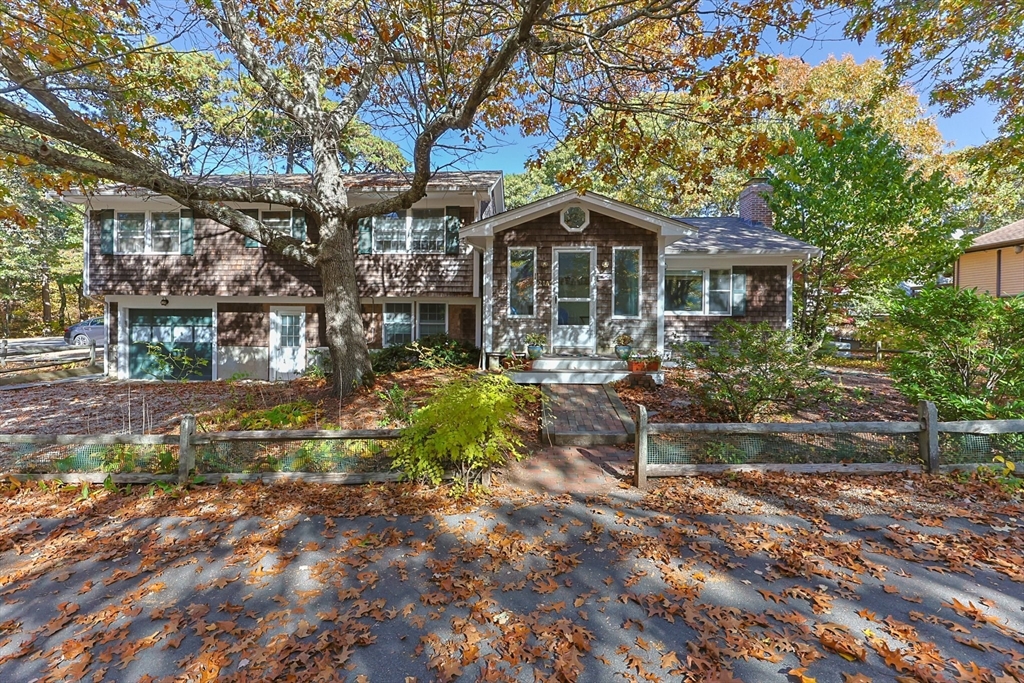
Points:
(751, 203)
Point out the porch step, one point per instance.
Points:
(576, 376)
(550, 363)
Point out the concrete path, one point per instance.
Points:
(585, 415)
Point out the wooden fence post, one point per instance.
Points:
(186, 449)
(878, 350)
(640, 458)
(929, 437)
(92, 352)
(3, 353)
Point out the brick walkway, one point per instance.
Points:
(585, 415)
(585, 471)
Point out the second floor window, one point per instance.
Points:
(418, 231)
(139, 232)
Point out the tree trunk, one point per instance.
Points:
(45, 295)
(62, 312)
(78, 295)
(346, 339)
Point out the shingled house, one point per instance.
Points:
(579, 268)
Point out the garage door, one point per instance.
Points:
(170, 344)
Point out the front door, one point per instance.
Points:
(287, 343)
(573, 324)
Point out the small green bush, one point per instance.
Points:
(467, 425)
(284, 416)
(967, 352)
(750, 370)
(433, 352)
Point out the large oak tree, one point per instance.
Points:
(91, 88)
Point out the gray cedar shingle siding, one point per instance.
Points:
(243, 324)
(766, 302)
(603, 232)
(223, 266)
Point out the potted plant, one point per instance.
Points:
(515, 363)
(652, 362)
(623, 346)
(636, 363)
(535, 344)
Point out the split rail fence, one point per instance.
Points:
(325, 456)
(925, 445)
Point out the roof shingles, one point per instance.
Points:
(1006, 235)
(732, 235)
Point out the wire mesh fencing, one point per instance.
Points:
(116, 458)
(721, 448)
(979, 449)
(298, 455)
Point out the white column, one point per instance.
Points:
(487, 325)
(789, 296)
(661, 294)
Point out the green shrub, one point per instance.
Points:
(284, 416)
(466, 426)
(396, 405)
(967, 352)
(751, 369)
(433, 352)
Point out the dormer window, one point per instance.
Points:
(575, 218)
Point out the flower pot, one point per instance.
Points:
(623, 351)
(534, 351)
(652, 365)
(637, 365)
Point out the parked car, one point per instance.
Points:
(81, 333)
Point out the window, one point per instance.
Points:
(432, 319)
(142, 233)
(389, 234)
(278, 220)
(397, 324)
(719, 291)
(575, 218)
(131, 233)
(522, 268)
(422, 231)
(291, 330)
(626, 282)
(427, 231)
(166, 232)
(685, 291)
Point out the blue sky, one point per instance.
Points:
(973, 126)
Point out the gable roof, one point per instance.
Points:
(1005, 236)
(655, 222)
(732, 235)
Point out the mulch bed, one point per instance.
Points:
(868, 395)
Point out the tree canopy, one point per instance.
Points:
(854, 193)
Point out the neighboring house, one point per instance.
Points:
(169, 277)
(994, 263)
(579, 268)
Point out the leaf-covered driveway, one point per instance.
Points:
(757, 578)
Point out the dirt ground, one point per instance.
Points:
(103, 406)
(867, 395)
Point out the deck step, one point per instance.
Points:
(576, 376)
(579, 364)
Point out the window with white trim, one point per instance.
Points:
(699, 292)
(433, 319)
(140, 232)
(522, 282)
(397, 324)
(420, 231)
(626, 282)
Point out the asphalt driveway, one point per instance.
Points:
(752, 578)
